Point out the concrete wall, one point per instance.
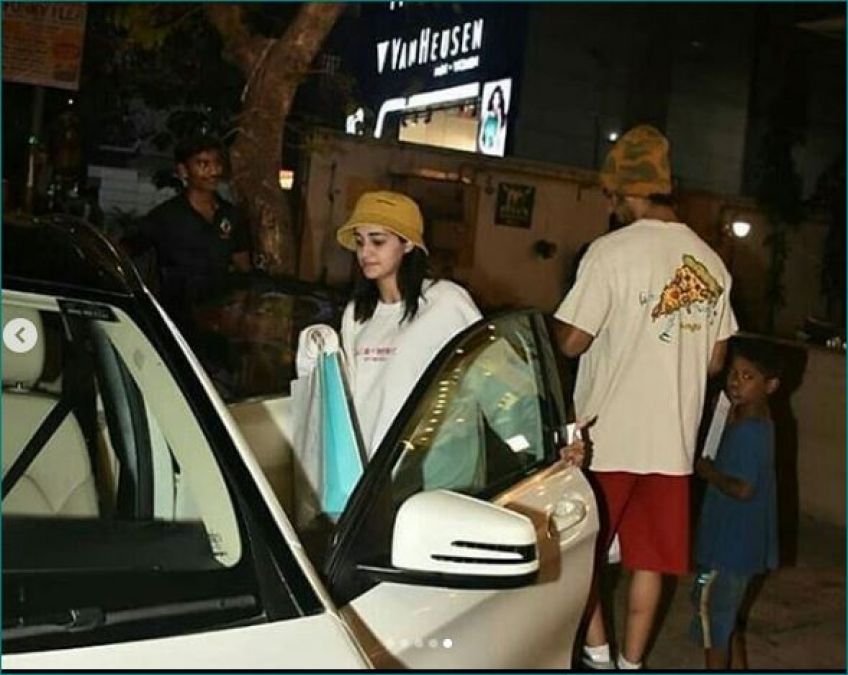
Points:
(496, 262)
(819, 407)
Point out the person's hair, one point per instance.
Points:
(763, 354)
(410, 278)
(660, 199)
(193, 145)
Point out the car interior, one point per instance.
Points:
(100, 445)
(61, 482)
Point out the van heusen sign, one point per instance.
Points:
(417, 47)
(451, 49)
(433, 56)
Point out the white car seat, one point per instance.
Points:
(59, 481)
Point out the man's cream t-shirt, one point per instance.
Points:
(386, 357)
(656, 299)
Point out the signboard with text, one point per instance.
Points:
(396, 49)
(43, 43)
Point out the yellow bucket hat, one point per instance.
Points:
(638, 164)
(392, 210)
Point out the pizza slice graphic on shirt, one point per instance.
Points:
(692, 283)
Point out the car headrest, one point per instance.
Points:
(23, 370)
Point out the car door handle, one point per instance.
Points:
(567, 513)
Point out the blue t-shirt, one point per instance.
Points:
(735, 535)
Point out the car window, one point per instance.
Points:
(246, 340)
(113, 500)
(135, 448)
(480, 424)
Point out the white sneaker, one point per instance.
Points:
(592, 664)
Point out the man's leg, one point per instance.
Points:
(654, 535)
(642, 602)
(596, 634)
(614, 488)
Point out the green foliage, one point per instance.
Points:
(164, 56)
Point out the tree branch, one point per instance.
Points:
(241, 47)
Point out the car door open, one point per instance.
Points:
(465, 519)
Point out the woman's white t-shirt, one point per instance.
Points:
(385, 357)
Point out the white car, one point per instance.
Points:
(141, 530)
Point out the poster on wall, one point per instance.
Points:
(494, 112)
(42, 43)
(514, 205)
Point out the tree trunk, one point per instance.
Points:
(273, 69)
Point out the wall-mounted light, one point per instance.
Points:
(612, 136)
(740, 228)
(286, 179)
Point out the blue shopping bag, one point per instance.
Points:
(342, 462)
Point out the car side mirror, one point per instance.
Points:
(446, 539)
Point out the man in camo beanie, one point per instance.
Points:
(650, 314)
(638, 165)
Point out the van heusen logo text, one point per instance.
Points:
(434, 47)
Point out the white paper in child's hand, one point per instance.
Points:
(722, 407)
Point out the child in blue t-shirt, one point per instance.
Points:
(737, 531)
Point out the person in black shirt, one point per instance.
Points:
(199, 238)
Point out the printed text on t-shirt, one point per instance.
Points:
(376, 353)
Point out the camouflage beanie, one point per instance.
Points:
(638, 164)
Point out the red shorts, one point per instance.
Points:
(650, 513)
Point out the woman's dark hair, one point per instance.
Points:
(410, 277)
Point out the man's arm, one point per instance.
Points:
(572, 341)
(717, 358)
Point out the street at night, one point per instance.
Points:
(423, 335)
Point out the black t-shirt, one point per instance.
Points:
(193, 255)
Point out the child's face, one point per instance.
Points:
(747, 385)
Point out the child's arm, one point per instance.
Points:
(729, 485)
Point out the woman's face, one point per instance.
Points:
(379, 251)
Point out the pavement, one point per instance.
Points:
(796, 620)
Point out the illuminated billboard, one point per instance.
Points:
(494, 115)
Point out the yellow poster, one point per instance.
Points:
(42, 43)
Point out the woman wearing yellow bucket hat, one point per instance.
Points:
(398, 319)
